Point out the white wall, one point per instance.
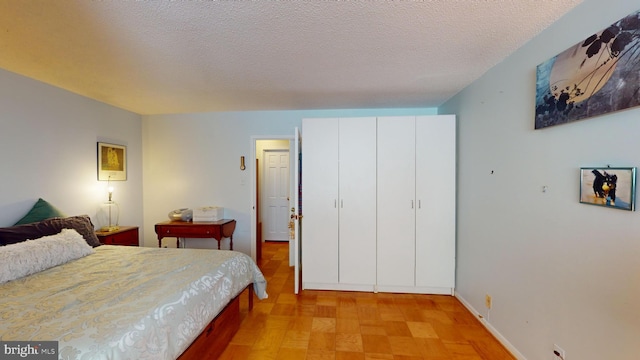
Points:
(48, 139)
(193, 160)
(558, 271)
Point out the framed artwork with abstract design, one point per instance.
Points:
(596, 76)
(609, 187)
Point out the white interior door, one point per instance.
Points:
(357, 207)
(296, 205)
(396, 201)
(320, 198)
(436, 195)
(276, 195)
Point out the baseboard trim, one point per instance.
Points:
(512, 349)
(336, 287)
(415, 290)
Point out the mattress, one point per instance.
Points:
(126, 302)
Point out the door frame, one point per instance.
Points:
(252, 209)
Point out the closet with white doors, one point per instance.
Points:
(416, 197)
(339, 203)
(379, 204)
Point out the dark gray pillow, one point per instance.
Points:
(19, 233)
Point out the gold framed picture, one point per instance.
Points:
(112, 162)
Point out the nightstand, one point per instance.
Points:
(126, 235)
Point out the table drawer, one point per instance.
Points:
(185, 231)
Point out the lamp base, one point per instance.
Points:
(108, 215)
(110, 228)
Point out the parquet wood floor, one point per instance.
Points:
(354, 326)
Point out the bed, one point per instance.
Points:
(116, 302)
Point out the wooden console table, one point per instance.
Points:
(187, 229)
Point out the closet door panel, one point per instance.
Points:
(396, 201)
(319, 241)
(436, 196)
(357, 204)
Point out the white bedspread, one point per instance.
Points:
(126, 302)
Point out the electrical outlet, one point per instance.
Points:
(487, 301)
(558, 353)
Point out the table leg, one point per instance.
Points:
(159, 242)
(231, 242)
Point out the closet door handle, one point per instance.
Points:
(335, 203)
(341, 203)
(412, 204)
(419, 204)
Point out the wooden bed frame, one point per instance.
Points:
(216, 335)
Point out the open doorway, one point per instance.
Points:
(272, 182)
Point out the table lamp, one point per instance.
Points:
(111, 210)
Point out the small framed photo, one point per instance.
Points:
(112, 162)
(609, 187)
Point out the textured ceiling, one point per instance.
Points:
(156, 57)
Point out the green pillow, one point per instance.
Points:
(42, 210)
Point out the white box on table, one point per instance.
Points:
(208, 213)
